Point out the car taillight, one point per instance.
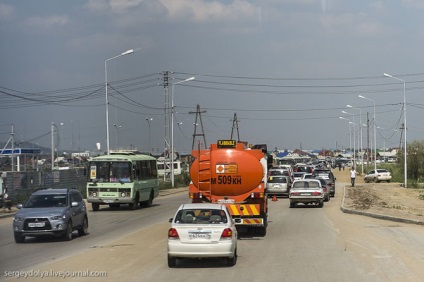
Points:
(325, 189)
(173, 234)
(227, 233)
(295, 193)
(316, 194)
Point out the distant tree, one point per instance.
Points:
(415, 160)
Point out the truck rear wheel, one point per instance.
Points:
(262, 231)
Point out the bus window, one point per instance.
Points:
(120, 171)
(153, 169)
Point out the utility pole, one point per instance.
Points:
(198, 113)
(368, 139)
(401, 134)
(235, 125)
(167, 118)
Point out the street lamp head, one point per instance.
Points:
(349, 106)
(387, 75)
(128, 52)
(360, 96)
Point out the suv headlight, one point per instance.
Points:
(57, 217)
(18, 218)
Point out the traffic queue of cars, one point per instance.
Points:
(281, 180)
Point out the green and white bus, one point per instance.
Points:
(122, 178)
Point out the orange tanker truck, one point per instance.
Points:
(234, 175)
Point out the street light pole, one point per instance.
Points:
(375, 136)
(53, 147)
(404, 126)
(117, 134)
(107, 101)
(350, 134)
(148, 121)
(360, 133)
(354, 139)
(172, 128)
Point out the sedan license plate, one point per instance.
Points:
(305, 194)
(36, 224)
(199, 236)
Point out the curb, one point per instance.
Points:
(172, 191)
(375, 215)
(6, 215)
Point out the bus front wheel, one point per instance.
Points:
(134, 205)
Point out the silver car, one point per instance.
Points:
(306, 191)
(202, 231)
(51, 212)
(278, 185)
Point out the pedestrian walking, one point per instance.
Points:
(352, 176)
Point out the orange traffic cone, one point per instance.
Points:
(274, 199)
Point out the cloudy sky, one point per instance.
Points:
(285, 68)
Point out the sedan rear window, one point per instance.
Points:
(201, 216)
(273, 179)
(306, 184)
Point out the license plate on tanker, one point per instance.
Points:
(228, 201)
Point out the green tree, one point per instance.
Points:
(415, 160)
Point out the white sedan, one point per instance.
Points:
(202, 231)
(306, 191)
(378, 175)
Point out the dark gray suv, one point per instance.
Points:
(51, 212)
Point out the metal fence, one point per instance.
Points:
(20, 185)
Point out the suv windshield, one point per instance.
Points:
(47, 201)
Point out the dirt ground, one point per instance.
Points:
(389, 199)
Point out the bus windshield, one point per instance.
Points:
(110, 171)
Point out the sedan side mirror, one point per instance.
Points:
(170, 220)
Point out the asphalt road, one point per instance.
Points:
(302, 244)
